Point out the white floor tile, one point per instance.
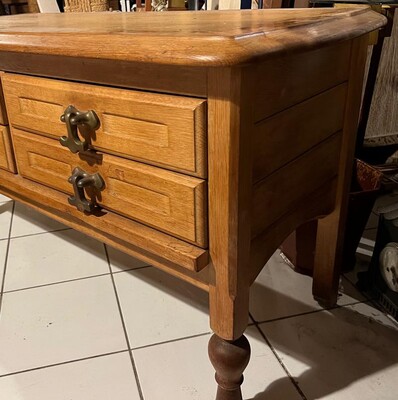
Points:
(53, 257)
(5, 219)
(101, 378)
(58, 323)
(3, 251)
(374, 315)
(158, 307)
(122, 261)
(27, 221)
(349, 353)
(280, 292)
(183, 371)
(4, 198)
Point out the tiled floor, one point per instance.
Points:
(81, 321)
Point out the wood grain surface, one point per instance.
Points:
(293, 78)
(230, 131)
(315, 205)
(302, 126)
(214, 38)
(280, 193)
(192, 81)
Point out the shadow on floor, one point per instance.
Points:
(337, 348)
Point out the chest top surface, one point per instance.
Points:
(212, 38)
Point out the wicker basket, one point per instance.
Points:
(33, 7)
(86, 5)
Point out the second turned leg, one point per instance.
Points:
(229, 359)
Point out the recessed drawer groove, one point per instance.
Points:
(6, 153)
(284, 136)
(293, 78)
(279, 193)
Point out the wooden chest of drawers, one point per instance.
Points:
(197, 147)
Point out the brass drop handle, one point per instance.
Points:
(72, 117)
(81, 180)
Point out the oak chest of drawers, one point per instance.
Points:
(192, 144)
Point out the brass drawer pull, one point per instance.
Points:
(74, 118)
(81, 180)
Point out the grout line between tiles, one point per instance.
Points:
(40, 233)
(365, 295)
(72, 280)
(178, 339)
(6, 257)
(63, 363)
(374, 304)
(55, 283)
(128, 269)
(172, 341)
(336, 307)
(133, 269)
(287, 372)
(137, 379)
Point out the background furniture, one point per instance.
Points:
(15, 6)
(47, 6)
(207, 167)
(31, 6)
(86, 5)
(378, 116)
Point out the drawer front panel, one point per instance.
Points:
(158, 129)
(281, 191)
(6, 153)
(165, 200)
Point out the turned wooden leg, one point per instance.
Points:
(229, 359)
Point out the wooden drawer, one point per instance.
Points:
(162, 199)
(158, 129)
(6, 153)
